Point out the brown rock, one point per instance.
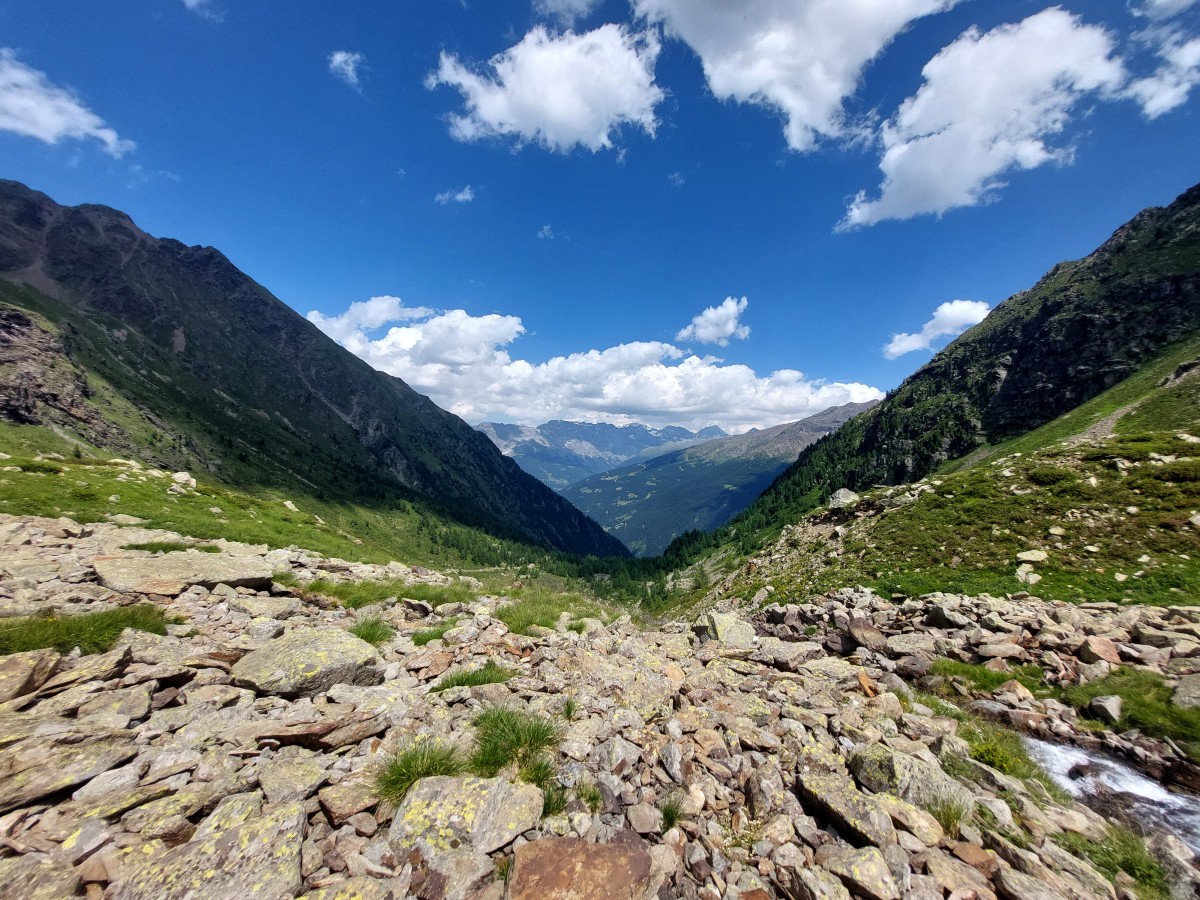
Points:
(977, 858)
(865, 634)
(1096, 648)
(570, 869)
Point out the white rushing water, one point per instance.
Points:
(1146, 800)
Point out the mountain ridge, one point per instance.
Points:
(560, 453)
(226, 378)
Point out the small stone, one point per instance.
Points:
(1033, 556)
(644, 818)
(1096, 648)
(730, 630)
(570, 868)
(843, 498)
(1106, 708)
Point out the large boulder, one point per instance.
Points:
(570, 867)
(173, 573)
(257, 858)
(442, 814)
(306, 662)
(884, 771)
(730, 630)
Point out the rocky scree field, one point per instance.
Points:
(251, 743)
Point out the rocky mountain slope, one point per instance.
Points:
(147, 346)
(562, 453)
(649, 503)
(253, 742)
(1086, 326)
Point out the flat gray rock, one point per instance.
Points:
(306, 662)
(173, 573)
(883, 770)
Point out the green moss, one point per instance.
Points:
(90, 632)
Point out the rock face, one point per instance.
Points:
(172, 573)
(160, 770)
(257, 858)
(441, 815)
(306, 662)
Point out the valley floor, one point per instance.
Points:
(259, 747)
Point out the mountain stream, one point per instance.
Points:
(1117, 788)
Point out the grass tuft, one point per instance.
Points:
(1121, 851)
(1003, 750)
(985, 679)
(543, 608)
(357, 594)
(489, 673)
(511, 737)
(1145, 705)
(91, 632)
(590, 794)
(171, 547)
(373, 630)
(949, 814)
(436, 633)
(423, 759)
(672, 811)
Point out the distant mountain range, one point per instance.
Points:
(147, 346)
(649, 503)
(561, 453)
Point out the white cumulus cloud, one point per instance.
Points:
(463, 363)
(32, 106)
(566, 12)
(558, 90)
(990, 104)
(345, 65)
(949, 320)
(366, 315)
(717, 324)
(546, 233)
(463, 195)
(800, 58)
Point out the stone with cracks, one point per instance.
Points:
(883, 770)
(306, 662)
(1187, 692)
(855, 815)
(258, 858)
(173, 573)
(866, 873)
(571, 869)
(38, 767)
(445, 814)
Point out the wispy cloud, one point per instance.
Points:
(546, 233)
(463, 195)
(346, 65)
(206, 9)
(31, 105)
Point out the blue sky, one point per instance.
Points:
(670, 211)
